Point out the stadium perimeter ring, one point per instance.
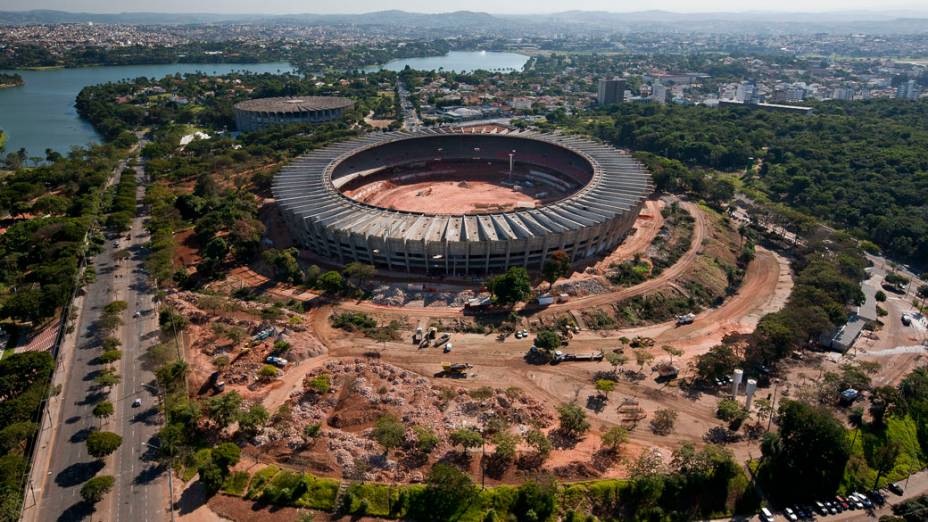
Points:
(604, 191)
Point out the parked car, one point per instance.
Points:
(895, 488)
(843, 502)
(790, 515)
(822, 510)
(863, 499)
(136, 403)
(766, 515)
(877, 497)
(276, 361)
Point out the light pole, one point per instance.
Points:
(773, 403)
(511, 155)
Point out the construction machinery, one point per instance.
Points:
(560, 356)
(454, 370)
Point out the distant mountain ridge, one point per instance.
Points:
(875, 22)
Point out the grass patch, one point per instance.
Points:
(236, 483)
(260, 480)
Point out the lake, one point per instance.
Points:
(460, 61)
(41, 113)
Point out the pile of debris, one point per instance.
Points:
(356, 393)
(582, 287)
(400, 295)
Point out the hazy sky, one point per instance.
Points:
(430, 6)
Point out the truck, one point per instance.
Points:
(560, 356)
(685, 319)
(545, 299)
(477, 303)
(417, 337)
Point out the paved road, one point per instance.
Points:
(140, 492)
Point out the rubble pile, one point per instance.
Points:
(362, 391)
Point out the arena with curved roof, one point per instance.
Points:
(258, 113)
(457, 202)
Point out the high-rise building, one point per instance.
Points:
(746, 92)
(843, 93)
(611, 91)
(658, 93)
(907, 90)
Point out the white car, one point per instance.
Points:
(766, 515)
(790, 514)
(518, 335)
(136, 403)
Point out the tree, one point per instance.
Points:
(884, 459)
(110, 356)
(643, 357)
(557, 266)
(672, 351)
(540, 442)
(883, 400)
(226, 455)
(360, 272)
(217, 249)
(426, 440)
(547, 340)
(102, 443)
(614, 437)
(467, 438)
(719, 361)
(447, 492)
(663, 421)
(511, 287)
(106, 378)
(96, 488)
(389, 432)
(605, 387)
(331, 282)
(729, 410)
(103, 410)
(616, 359)
(506, 444)
(224, 409)
(806, 459)
(572, 419)
(252, 420)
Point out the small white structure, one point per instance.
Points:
(736, 381)
(749, 390)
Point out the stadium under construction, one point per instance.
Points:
(544, 193)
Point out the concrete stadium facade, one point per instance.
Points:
(585, 223)
(252, 115)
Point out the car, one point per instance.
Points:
(843, 502)
(518, 335)
(831, 507)
(877, 497)
(822, 510)
(864, 500)
(790, 515)
(766, 515)
(895, 488)
(276, 361)
(447, 348)
(136, 403)
(137, 314)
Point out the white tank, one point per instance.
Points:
(749, 390)
(736, 381)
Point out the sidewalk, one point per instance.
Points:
(44, 446)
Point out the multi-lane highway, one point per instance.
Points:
(62, 466)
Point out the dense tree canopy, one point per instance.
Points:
(858, 165)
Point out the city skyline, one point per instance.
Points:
(521, 7)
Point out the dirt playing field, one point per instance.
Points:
(455, 189)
